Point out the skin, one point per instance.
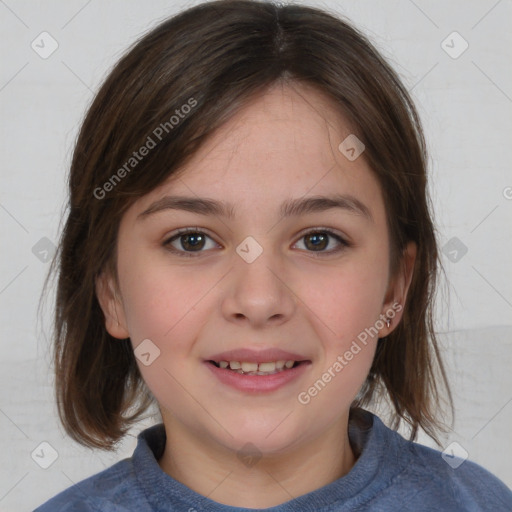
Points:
(280, 146)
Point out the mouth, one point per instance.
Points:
(255, 368)
(259, 371)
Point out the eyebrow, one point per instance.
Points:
(289, 208)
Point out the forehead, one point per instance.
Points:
(282, 144)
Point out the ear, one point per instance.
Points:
(398, 287)
(112, 306)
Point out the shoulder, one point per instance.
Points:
(105, 491)
(451, 483)
(122, 487)
(422, 478)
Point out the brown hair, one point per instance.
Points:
(216, 56)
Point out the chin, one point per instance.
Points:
(271, 436)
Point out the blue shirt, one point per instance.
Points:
(391, 474)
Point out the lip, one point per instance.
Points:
(256, 356)
(255, 384)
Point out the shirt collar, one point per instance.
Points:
(378, 462)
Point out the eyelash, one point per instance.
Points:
(190, 254)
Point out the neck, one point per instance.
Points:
(218, 473)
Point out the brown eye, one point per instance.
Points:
(192, 242)
(318, 241)
(189, 241)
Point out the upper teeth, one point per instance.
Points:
(256, 367)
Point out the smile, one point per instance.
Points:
(257, 378)
(251, 368)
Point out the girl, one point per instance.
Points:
(249, 244)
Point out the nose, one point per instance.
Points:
(258, 293)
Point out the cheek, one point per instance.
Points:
(160, 299)
(345, 313)
(166, 307)
(345, 299)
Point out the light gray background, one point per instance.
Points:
(466, 107)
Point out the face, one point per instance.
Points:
(258, 286)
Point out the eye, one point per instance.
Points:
(188, 241)
(319, 239)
